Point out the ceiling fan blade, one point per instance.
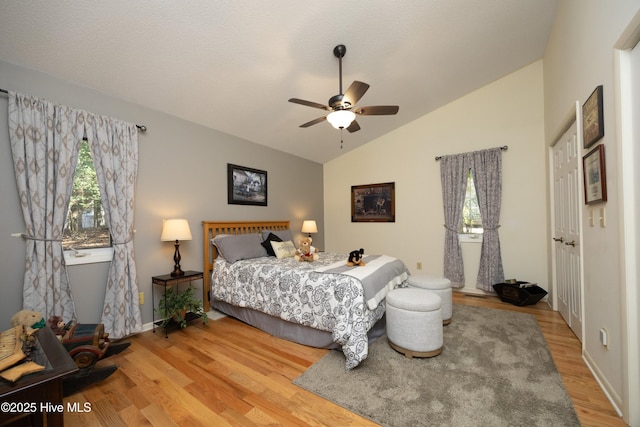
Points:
(310, 104)
(377, 110)
(314, 122)
(355, 92)
(353, 127)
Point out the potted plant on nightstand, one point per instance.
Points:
(180, 307)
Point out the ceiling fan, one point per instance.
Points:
(342, 106)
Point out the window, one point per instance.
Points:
(471, 219)
(85, 231)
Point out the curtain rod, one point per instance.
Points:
(141, 128)
(503, 148)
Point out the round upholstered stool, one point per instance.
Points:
(414, 322)
(438, 285)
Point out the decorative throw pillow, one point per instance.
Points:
(283, 249)
(267, 243)
(284, 235)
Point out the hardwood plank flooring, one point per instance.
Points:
(228, 373)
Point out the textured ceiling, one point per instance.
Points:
(232, 65)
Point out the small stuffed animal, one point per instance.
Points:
(31, 320)
(306, 252)
(355, 258)
(59, 327)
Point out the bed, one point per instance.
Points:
(321, 304)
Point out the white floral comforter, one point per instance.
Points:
(293, 291)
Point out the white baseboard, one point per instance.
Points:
(613, 397)
(212, 314)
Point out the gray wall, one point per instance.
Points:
(182, 173)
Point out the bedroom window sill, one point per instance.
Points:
(88, 256)
(470, 237)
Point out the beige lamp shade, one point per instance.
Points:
(175, 229)
(309, 226)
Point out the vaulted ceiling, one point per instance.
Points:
(231, 65)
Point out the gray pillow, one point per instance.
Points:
(242, 246)
(282, 234)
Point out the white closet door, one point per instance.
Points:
(566, 236)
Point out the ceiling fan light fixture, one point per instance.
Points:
(341, 106)
(341, 119)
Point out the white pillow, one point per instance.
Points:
(283, 249)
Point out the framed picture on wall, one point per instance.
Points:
(592, 118)
(373, 203)
(595, 176)
(246, 186)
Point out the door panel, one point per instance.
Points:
(572, 242)
(566, 230)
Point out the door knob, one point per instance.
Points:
(558, 240)
(571, 243)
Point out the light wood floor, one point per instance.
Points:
(228, 373)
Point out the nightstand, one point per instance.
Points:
(167, 280)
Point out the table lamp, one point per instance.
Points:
(176, 229)
(309, 226)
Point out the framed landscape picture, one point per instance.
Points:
(373, 203)
(595, 176)
(246, 186)
(592, 118)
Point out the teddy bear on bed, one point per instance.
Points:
(355, 258)
(306, 252)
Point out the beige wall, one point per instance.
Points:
(182, 173)
(506, 112)
(580, 55)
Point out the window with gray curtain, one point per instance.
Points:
(486, 169)
(45, 142)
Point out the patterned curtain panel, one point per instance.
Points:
(114, 146)
(45, 142)
(453, 174)
(487, 176)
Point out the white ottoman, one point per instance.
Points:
(438, 285)
(414, 322)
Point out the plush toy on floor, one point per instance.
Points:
(306, 252)
(355, 258)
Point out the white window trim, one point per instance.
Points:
(470, 237)
(88, 256)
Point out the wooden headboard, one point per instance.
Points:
(213, 228)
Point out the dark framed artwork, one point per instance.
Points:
(595, 176)
(246, 186)
(373, 203)
(592, 118)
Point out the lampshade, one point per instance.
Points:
(341, 118)
(309, 226)
(175, 229)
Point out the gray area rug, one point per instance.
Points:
(495, 370)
